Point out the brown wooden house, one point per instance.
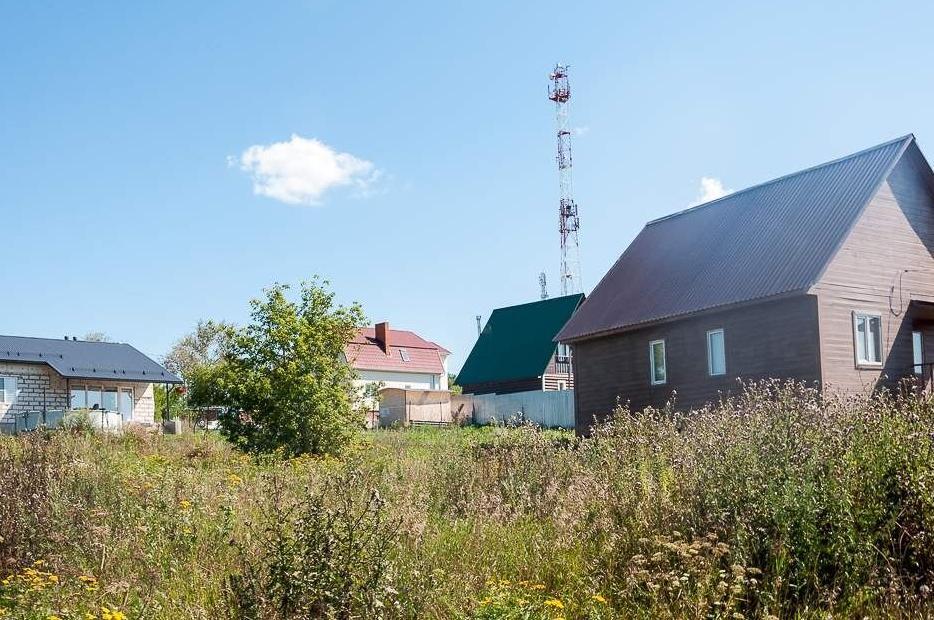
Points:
(824, 276)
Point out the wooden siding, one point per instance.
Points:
(503, 387)
(770, 339)
(883, 264)
(557, 373)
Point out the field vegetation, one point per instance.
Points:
(776, 504)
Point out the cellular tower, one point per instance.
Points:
(559, 91)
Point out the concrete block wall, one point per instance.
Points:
(38, 387)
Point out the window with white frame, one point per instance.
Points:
(658, 368)
(7, 390)
(716, 353)
(917, 351)
(564, 352)
(867, 331)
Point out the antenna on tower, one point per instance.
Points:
(478, 326)
(543, 283)
(559, 91)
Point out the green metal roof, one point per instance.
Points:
(518, 341)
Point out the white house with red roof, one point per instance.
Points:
(395, 358)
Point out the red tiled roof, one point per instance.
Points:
(365, 353)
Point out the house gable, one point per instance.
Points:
(885, 261)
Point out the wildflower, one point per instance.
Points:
(234, 480)
(54, 617)
(87, 579)
(185, 504)
(599, 599)
(538, 586)
(553, 602)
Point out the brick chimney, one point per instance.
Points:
(382, 336)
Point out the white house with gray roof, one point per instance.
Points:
(47, 377)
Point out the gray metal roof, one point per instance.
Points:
(768, 240)
(80, 359)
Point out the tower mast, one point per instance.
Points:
(559, 91)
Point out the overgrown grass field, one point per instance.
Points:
(779, 503)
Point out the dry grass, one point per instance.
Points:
(779, 503)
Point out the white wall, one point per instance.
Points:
(404, 380)
(549, 409)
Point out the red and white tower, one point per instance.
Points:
(559, 91)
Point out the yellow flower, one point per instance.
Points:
(185, 504)
(54, 617)
(53, 578)
(553, 602)
(538, 586)
(599, 599)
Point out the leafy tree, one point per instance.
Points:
(284, 375)
(204, 346)
(199, 357)
(452, 384)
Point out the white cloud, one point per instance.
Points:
(710, 188)
(581, 130)
(301, 170)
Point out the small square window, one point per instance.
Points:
(404, 354)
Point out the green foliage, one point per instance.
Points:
(452, 384)
(284, 375)
(178, 403)
(777, 503)
(198, 358)
(325, 555)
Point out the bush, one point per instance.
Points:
(322, 556)
(284, 378)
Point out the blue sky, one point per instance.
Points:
(124, 127)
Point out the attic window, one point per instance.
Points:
(404, 354)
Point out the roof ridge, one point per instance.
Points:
(538, 301)
(905, 138)
(63, 339)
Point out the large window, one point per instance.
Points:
(109, 401)
(657, 363)
(917, 351)
(716, 353)
(126, 403)
(97, 397)
(7, 389)
(867, 330)
(79, 397)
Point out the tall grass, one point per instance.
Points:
(777, 503)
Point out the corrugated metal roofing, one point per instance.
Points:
(80, 359)
(517, 341)
(768, 240)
